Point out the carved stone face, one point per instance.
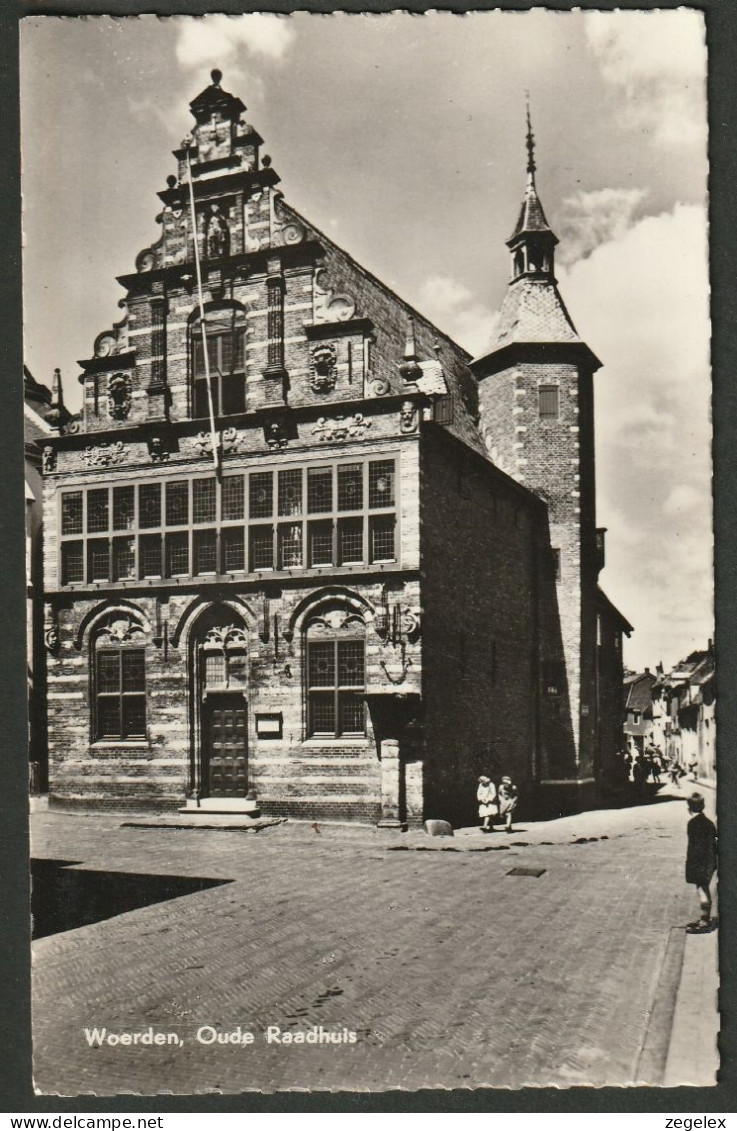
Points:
(323, 368)
(51, 636)
(120, 396)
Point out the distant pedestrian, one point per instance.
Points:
(701, 860)
(674, 772)
(486, 797)
(657, 766)
(692, 767)
(507, 801)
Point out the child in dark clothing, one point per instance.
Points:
(701, 859)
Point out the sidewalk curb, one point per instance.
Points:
(651, 1063)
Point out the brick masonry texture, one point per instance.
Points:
(466, 632)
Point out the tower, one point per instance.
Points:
(536, 418)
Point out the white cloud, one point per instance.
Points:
(652, 424)
(589, 219)
(452, 307)
(657, 63)
(683, 498)
(214, 40)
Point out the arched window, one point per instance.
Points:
(119, 680)
(225, 330)
(336, 674)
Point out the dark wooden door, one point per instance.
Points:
(225, 746)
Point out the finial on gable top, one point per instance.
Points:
(216, 76)
(410, 368)
(530, 139)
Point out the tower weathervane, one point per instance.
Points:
(530, 139)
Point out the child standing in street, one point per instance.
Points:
(701, 860)
(507, 801)
(486, 797)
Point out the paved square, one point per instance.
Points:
(450, 971)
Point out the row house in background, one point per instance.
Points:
(683, 707)
(638, 709)
(317, 551)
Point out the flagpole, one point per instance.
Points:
(210, 404)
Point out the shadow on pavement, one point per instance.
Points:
(64, 898)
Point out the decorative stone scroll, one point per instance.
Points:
(105, 454)
(329, 306)
(226, 636)
(341, 428)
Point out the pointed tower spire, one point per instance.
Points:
(532, 241)
(530, 147)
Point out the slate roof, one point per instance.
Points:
(639, 697)
(532, 311)
(531, 217)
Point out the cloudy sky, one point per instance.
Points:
(403, 138)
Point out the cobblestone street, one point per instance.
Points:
(452, 972)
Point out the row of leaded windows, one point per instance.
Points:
(336, 681)
(342, 514)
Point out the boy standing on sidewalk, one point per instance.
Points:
(701, 860)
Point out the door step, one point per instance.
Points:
(210, 805)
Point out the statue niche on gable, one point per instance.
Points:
(217, 234)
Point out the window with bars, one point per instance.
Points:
(225, 331)
(119, 693)
(336, 682)
(548, 401)
(342, 514)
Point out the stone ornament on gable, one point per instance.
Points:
(341, 428)
(228, 441)
(227, 636)
(105, 453)
(323, 368)
(120, 394)
(120, 629)
(329, 306)
(379, 387)
(217, 237)
(275, 436)
(408, 417)
(49, 459)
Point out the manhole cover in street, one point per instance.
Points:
(535, 872)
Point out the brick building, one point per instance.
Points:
(372, 579)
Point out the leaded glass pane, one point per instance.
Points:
(108, 716)
(177, 504)
(322, 713)
(124, 559)
(261, 495)
(262, 547)
(108, 671)
(149, 505)
(321, 664)
(98, 560)
(290, 492)
(133, 669)
(149, 550)
(290, 545)
(203, 500)
(233, 394)
(350, 541)
(134, 716)
(321, 543)
(214, 669)
(350, 663)
(123, 508)
(71, 512)
(98, 517)
(351, 713)
(72, 562)
(350, 487)
(232, 504)
(319, 489)
(204, 548)
(381, 483)
(177, 555)
(381, 535)
(233, 550)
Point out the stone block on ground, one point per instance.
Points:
(438, 828)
